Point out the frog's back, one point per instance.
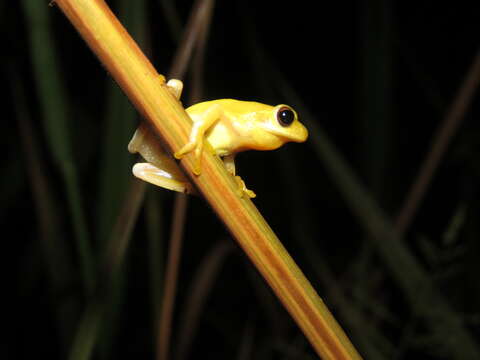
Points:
(230, 106)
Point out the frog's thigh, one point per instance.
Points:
(162, 178)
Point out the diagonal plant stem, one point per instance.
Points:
(440, 142)
(149, 93)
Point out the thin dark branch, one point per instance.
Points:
(441, 140)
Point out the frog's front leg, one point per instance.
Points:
(195, 143)
(229, 162)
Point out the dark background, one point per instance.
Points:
(375, 79)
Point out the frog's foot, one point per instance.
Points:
(197, 147)
(175, 86)
(150, 173)
(242, 188)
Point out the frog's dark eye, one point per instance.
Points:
(285, 116)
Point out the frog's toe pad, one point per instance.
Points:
(242, 188)
(150, 173)
(188, 147)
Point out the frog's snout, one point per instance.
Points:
(300, 133)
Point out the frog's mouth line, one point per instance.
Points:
(302, 130)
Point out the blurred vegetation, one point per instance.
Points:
(388, 92)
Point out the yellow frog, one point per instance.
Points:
(230, 126)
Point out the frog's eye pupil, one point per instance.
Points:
(285, 116)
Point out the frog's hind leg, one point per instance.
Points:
(150, 173)
(161, 169)
(229, 162)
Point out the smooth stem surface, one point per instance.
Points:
(148, 92)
